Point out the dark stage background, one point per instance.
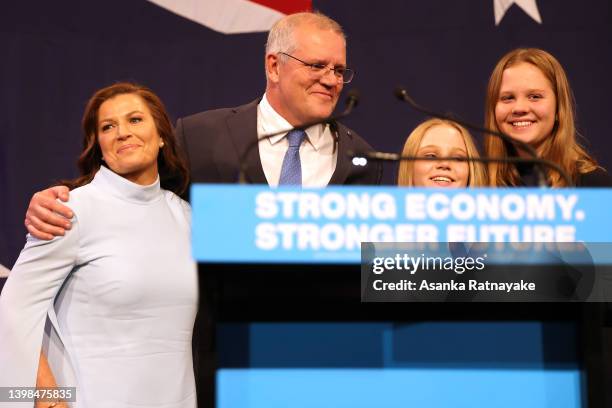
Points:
(55, 54)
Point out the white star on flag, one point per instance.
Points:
(529, 6)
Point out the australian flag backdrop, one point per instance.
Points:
(204, 54)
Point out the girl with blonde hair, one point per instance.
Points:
(438, 138)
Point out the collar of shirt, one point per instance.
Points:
(270, 121)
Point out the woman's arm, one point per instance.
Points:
(28, 295)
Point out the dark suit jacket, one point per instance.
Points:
(216, 141)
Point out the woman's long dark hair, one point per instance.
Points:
(172, 167)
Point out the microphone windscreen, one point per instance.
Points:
(352, 97)
(400, 93)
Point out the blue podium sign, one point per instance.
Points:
(251, 224)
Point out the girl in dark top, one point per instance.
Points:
(529, 99)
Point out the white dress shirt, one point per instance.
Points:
(317, 153)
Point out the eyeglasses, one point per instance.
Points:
(343, 74)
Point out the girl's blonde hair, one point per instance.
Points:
(477, 175)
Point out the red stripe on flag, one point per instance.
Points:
(286, 7)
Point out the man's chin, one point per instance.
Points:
(321, 114)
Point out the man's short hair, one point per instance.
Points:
(280, 37)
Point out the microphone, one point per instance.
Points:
(352, 100)
(401, 94)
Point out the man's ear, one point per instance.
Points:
(272, 68)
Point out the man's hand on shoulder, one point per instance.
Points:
(46, 217)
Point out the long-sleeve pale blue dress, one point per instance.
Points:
(119, 295)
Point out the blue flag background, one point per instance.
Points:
(55, 54)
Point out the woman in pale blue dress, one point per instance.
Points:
(109, 307)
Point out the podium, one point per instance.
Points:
(291, 256)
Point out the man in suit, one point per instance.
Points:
(305, 67)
